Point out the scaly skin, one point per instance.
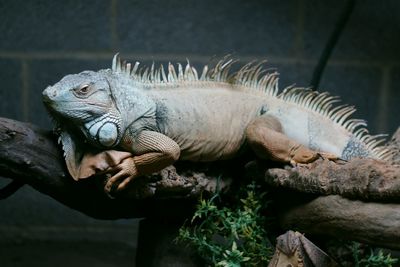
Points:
(161, 117)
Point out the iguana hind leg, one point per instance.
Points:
(265, 137)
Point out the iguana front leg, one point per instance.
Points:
(153, 152)
(265, 137)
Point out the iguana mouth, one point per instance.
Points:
(97, 104)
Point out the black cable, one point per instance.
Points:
(326, 53)
(10, 189)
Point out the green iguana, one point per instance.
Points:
(162, 116)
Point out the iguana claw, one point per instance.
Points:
(124, 173)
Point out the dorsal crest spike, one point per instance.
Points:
(135, 68)
(120, 66)
(164, 77)
(128, 68)
(114, 62)
(152, 72)
(180, 72)
(172, 77)
(204, 74)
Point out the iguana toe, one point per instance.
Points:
(124, 173)
(329, 156)
(303, 155)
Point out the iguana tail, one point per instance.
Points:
(327, 127)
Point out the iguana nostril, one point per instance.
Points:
(49, 93)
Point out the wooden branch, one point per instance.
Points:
(333, 215)
(365, 179)
(338, 217)
(31, 155)
(362, 179)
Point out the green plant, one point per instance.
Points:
(230, 236)
(371, 260)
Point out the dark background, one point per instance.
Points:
(41, 41)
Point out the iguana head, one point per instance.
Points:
(100, 105)
(85, 102)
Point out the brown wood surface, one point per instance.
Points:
(31, 155)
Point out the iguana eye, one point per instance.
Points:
(82, 90)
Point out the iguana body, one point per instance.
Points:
(161, 116)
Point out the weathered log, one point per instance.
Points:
(365, 179)
(338, 217)
(31, 155)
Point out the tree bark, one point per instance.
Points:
(365, 179)
(31, 155)
(361, 179)
(338, 217)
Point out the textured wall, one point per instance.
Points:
(40, 41)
